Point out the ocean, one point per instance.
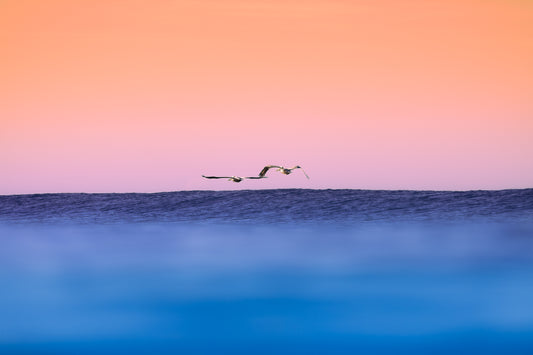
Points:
(267, 272)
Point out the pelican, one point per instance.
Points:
(281, 169)
(234, 178)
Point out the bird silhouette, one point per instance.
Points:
(285, 171)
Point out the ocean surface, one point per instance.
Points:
(267, 272)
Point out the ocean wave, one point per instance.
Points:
(270, 206)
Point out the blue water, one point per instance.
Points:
(267, 271)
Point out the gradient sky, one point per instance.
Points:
(115, 96)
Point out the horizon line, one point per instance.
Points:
(248, 190)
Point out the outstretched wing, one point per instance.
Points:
(265, 169)
(217, 177)
(299, 167)
(255, 177)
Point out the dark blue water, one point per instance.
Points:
(271, 271)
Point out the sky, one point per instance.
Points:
(146, 96)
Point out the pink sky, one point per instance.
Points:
(115, 96)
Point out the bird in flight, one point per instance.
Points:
(281, 169)
(234, 178)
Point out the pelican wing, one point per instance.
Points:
(217, 177)
(299, 167)
(265, 169)
(255, 177)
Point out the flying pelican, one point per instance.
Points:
(281, 169)
(234, 178)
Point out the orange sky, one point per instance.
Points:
(142, 96)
